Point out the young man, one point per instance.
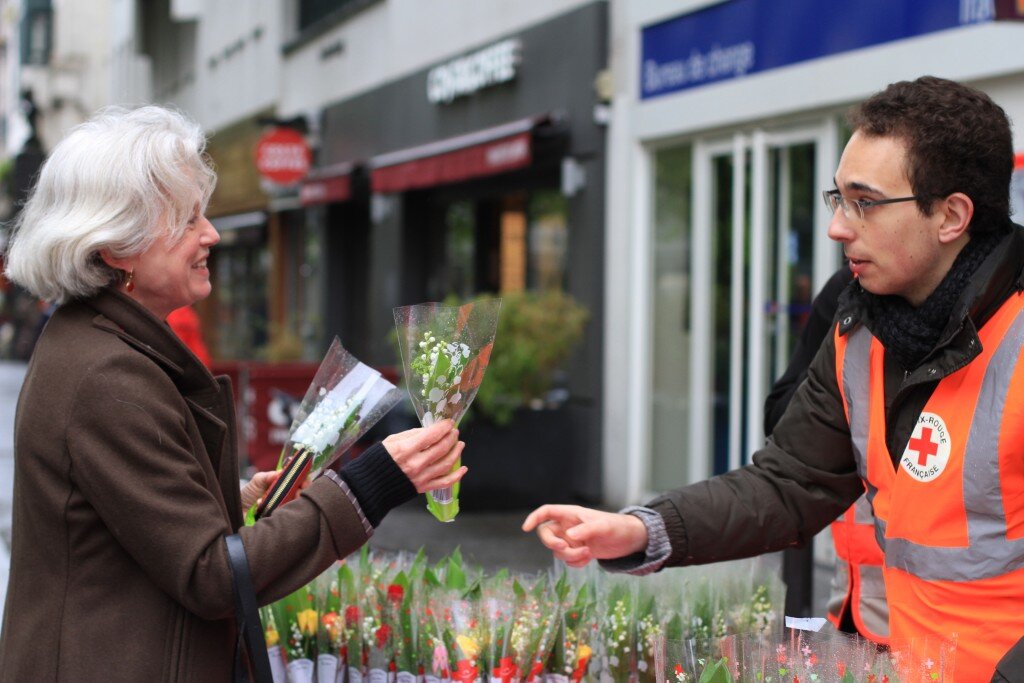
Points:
(915, 396)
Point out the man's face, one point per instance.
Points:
(894, 249)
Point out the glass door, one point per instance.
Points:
(740, 248)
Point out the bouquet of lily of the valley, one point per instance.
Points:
(468, 636)
(351, 650)
(534, 626)
(650, 633)
(344, 400)
(794, 655)
(617, 625)
(270, 615)
(445, 351)
(570, 656)
(331, 631)
(432, 622)
(398, 615)
(301, 621)
(497, 610)
(448, 615)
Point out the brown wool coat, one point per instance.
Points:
(125, 485)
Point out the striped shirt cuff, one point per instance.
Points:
(658, 546)
(336, 478)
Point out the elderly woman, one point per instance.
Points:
(126, 480)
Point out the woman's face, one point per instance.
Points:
(169, 274)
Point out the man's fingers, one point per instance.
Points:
(566, 515)
(550, 537)
(575, 557)
(585, 531)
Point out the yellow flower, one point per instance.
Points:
(468, 646)
(583, 654)
(307, 621)
(272, 637)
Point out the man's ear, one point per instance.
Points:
(957, 210)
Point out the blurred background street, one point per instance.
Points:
(640, 182)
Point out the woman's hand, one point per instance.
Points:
(254, 491)
(427, 455)
(576, 535)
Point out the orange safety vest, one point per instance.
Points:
(950, 515)
(858, 584)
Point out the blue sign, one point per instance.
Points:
(741, 37)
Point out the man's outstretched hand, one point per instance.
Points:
(576, 535)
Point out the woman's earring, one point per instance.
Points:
(129, 280)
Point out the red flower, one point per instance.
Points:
(351, 614)
(538, 668)
(840, 669)
(382, 635)
(466, 673)
(581, 669)
(505, 670)
(395, 592)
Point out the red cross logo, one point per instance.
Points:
(924, 446)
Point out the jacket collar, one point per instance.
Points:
(123, 316)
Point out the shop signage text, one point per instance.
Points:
(283, 156)
(492, 65)
(732, 39)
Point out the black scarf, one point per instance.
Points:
(911, 333)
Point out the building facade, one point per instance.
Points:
(472, 163)
(727, 123)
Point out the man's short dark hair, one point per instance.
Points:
(958, 140)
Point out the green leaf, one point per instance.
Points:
(455, 577)
(717, 672)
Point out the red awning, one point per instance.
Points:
(485, 152)
(326, 185)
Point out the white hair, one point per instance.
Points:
(117, 182)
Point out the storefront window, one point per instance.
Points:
(301, 336)
(241, 301)
(549, 237)
(504, 243)
(671, 319)
(460, 242)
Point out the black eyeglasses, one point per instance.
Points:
(855, 208)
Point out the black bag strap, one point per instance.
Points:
(248, 617)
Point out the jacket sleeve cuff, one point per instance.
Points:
(336, 478)
(377, 482)
(658, 546)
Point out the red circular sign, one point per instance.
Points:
(282, 156)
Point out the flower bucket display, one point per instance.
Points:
(445, 351)
(343, 401)
(396, 618)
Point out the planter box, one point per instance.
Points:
(519, 466)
